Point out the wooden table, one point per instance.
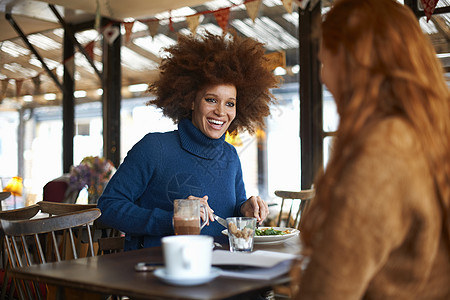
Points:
(115, 274)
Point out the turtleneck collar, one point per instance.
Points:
(195, 142)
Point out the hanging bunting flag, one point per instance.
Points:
(19, 83)
(90, 49)
(111, 33)
(37, 84)
(128, 29)
(275, 59)
(287, 5)
(170, 21)
(171, 25)
(253, 8)
(54, 72)
(222, 16)
(153, 26)
(193, 22)
(428, 7)
(301, 3)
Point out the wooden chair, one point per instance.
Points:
(298, 203)
(23, 213)
(57, 208)
(109, 245)
(109, 240)
(23, 242)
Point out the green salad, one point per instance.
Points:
(270, 231)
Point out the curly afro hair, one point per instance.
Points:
(197, 62)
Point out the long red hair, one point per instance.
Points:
(388, 68)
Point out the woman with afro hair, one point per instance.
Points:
(208, 85)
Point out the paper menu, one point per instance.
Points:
(259, 258)
(259, 265)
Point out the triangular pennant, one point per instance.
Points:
(153, 26)
(90, 49)
(274, 60)
(222, 16)
(128, 29)
(110, 33)
(19, 83)
(54, 72)
(193, 22)
(171, 24)
(428, 7)
(253, 8)
(287, 5)
(37, 84)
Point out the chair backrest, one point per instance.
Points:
(23, 213)
(56, 208)
(298, 203)
(24, 241)
(109, 245)
(59, 190)
(109, 240)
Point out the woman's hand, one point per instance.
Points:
(209, 210)
(255, 207)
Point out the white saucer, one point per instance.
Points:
(161, 274)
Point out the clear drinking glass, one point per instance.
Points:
(186, 216)
(241, 231)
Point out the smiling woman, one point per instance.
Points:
(208, 85)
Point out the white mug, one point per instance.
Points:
(187, 256)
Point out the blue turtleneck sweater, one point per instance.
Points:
(161, 167)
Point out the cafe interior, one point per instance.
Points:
(74, 78)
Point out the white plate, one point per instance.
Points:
(161, 274)
(272, 239)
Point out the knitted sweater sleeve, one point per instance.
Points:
(118, 201)
(367, 221)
